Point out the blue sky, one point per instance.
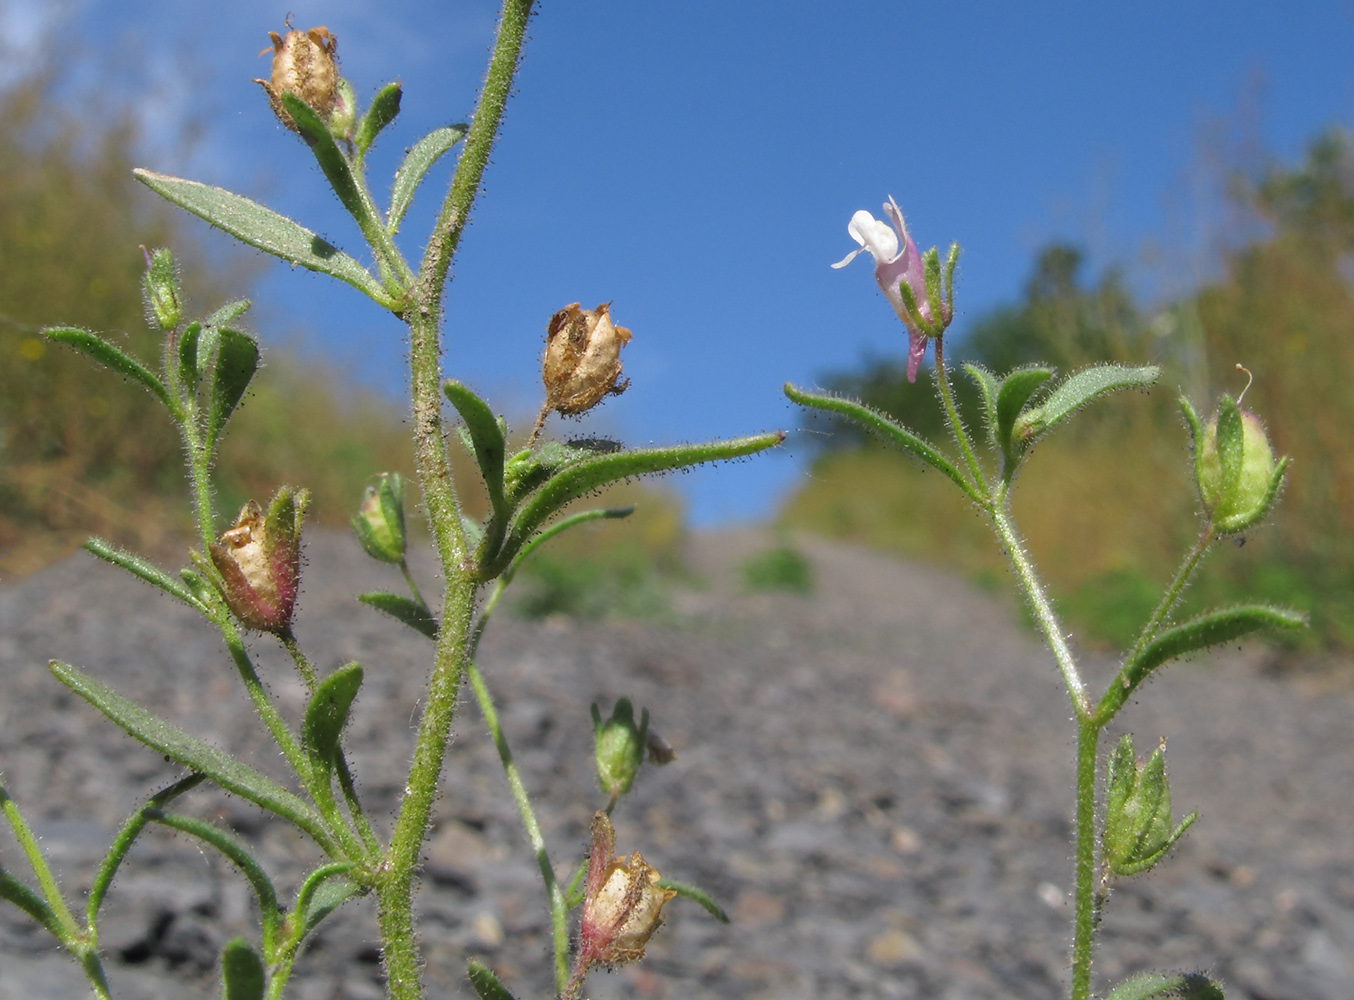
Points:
(696, 162)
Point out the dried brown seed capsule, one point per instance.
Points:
(305, 63)
(259, 560)
(582, 363)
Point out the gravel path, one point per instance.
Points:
(876, 782)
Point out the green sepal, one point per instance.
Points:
(323, 892)
(333, 164)
(951, 259)
(242, 976)
(142, 569)
(165, 738)
(1153, 986)
(187, 358)
(1200, 632)
(421, 156)
(582, 477)
(114, 358)
(404, 609)
(1076, 391)
(930, 264)
(380, 113)
(239, 856)
(228, 313)
(1015, 391)
(489, 447)
(1138, 811)
(696, 895)
(30, 902)
(122, 843)
(1231, 446)
(1196, 435)
(266, 230)
(237, 359)
(486, 984)
(988, 387)
(1248, 519)
(327, 714)
(895, 433)
(160, 290)
(207, 594)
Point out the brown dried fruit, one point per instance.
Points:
(305, 63)
(582, 363)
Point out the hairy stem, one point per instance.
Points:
(1172, 595)
(1088, 735)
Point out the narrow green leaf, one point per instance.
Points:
(30, 902)
(872, 420)
(1076, 391)
(382, 111)
(328, 897)
(485, 982)
(1016, 390)
(62, 923)
(581, 478)
(231, 774)
(332, 162)
(404, 609)
(111, 357)
(242, 976)
(988, 386)
(141, 568)
(417, 162)
(122, 843)
(1208, 629)
(696, 895)
(328, 711)
(262, 228)
(237, 359)
(573, 520)
(1153, 985)
(487, 438)
(228, 313)
(239, 856)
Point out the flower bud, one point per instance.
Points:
(1138, 811)
(619, 747)
(160, 288)
(622, 905)
(582, 363)
(379, 522)
(343, 120)
(1235, 468)
(259, 560)
(305, 64)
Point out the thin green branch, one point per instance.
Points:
(1172, 595)
(71, 933)
(1088, 735)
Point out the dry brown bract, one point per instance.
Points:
(305, 63)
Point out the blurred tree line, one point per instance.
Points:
(1106, 503)
(82, 452)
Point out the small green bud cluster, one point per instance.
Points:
(379, 521)
(1138, 829)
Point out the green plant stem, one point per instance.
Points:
(559, 915)
(952, 412)
(303, 665)
(394, 885)
(200, 474)
(71, 934)
(277, 726)
(1172, 595)
(1088, 736)
(409, 579)
(1044, 615)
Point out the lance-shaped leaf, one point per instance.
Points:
(237, 359)
(486, 435)
(586, 475)
(1154, 986)
(328, 711)
(697, 895)
(111, 357)
(242, 976)
(891, 431)
(988, 387)
(165, 738)
(384, 107)
(239, 856)
(142, 569)
(323, 892)
(334, 165)
(228, 313)
(531, 467)
(417, 161)
(1208, 629)
(262, 228)
(30, 902)
(486, 984)
(559, 527)
(1074, 392)
(1016, 390)
(412, 613)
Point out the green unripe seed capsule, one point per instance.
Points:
(1237, 474)
(160, 288)
(619, 748)
(379, 521)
